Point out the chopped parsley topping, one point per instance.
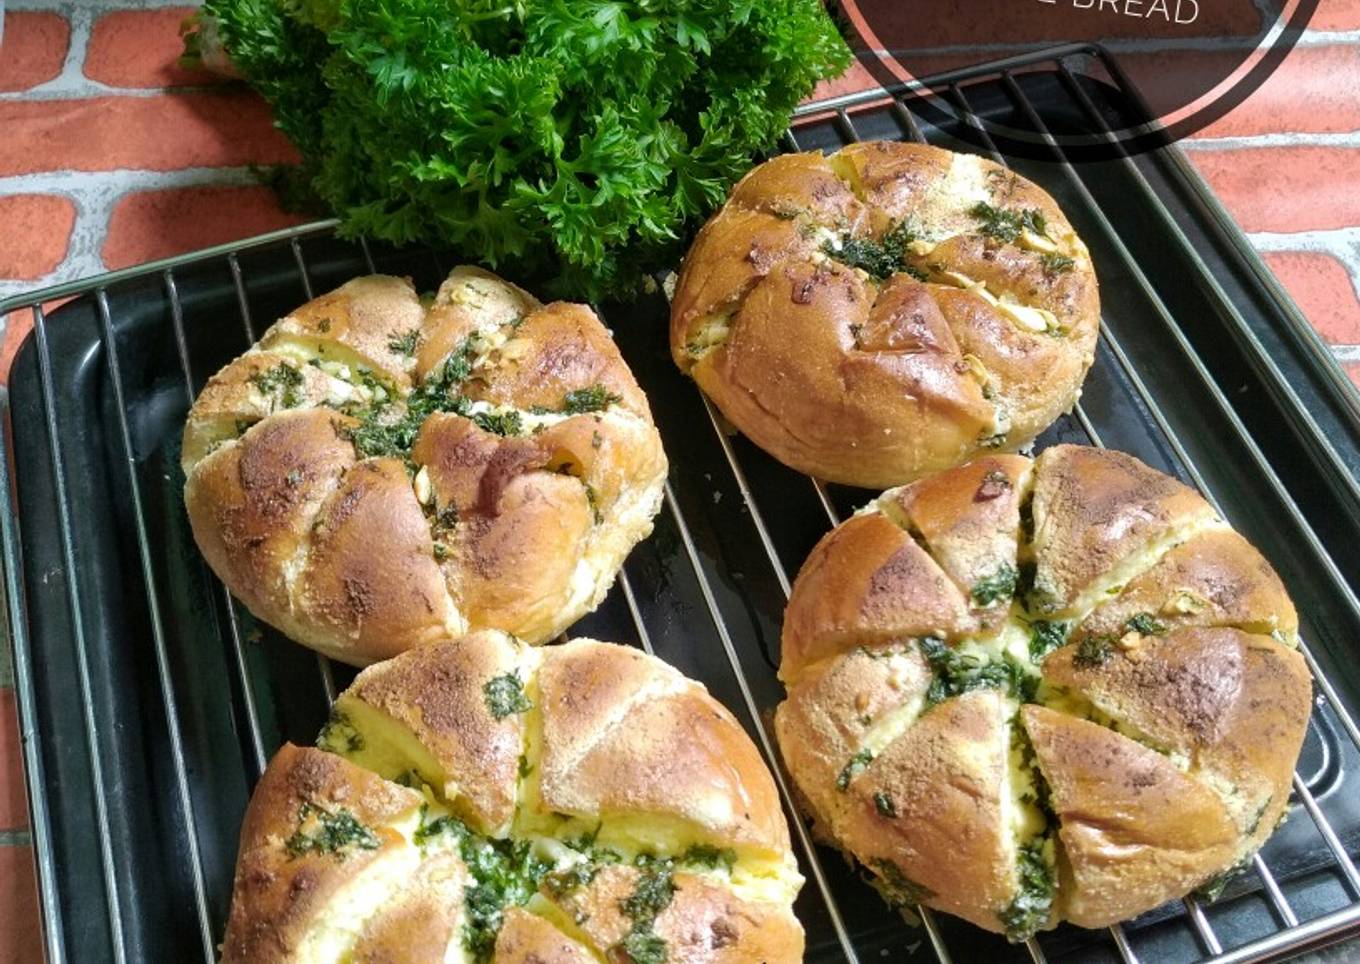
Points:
(1007, 226)
(1146, 624)
(1045, 637)
(709, 856)
(653, 893)
(324, 832)
(339, 735)
(897, 888)
(505, 696)
(857, 765)
(879, 259)
(405, 344)
(1055, 263)
(1093, 651)
(506, 873)
(884, 804)
(499, 423)
(388, 429)
(655, 888)
(1033, 901)
(999, 585)
(957, 673)
(1041, 796)
(560, 883)
(642, 947)
(282, 383)
(596, 398)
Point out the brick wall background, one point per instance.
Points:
(111, 155)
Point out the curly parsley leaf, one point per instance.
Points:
(579, 141)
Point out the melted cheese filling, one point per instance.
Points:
(370, 738)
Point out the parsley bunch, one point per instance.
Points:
(579, 139)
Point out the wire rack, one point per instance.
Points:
(133, 864)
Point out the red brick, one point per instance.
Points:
(36, 235)
(141, 48)
(1312, 91)
(1286, 188)
(33, 49)
(161, 133)
(1336, 15)
(854, 80)
(13, 805)
(1323, 289)
(20, 924)
(1352, 369)
(158, 224)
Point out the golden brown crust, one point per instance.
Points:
(827, 716)
(421, 923)
(981, 337)
(970, 520)
(558, 349)
(942, 780)
(438, 694)
(1095, 509)
(250, 505)
(640, 756)
(1170, 721)
(362, 559)
(1215, 578)
(701, 924)
(865, 583)
(1136, 832)
(362, 318)
(526, 938)
(609, 747)
(279, 897)
(469, 300)
(370, 583)
(1234, 705)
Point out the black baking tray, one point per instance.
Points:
(149, 701)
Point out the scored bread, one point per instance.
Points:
(885, 312)
(1024, 692)
(479, 800)
(379, 471)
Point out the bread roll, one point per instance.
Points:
(481, 800)
(1024, 692)
(379, 471)
(886, 312)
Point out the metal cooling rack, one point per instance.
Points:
(148, 710)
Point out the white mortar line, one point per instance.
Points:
(1236, 142)
(74, 182)
(1341, 243)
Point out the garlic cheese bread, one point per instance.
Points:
(886, 312)
(482, 800)
(381, 471)
(1024, 692)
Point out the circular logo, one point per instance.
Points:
(1130, 75)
